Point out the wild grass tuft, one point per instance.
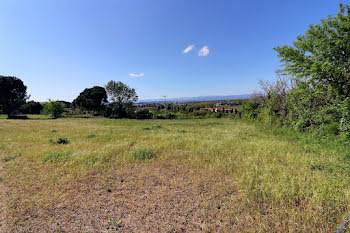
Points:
(57, 157)
(144, 154)
(157, 127)
(9, 158)
(91, 136)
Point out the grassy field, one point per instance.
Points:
(101, 175)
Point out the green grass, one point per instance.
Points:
(282, 176)
(144, 154)
(30, 116)
(9, 158)
(56, 157)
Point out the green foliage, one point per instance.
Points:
(9, 158)
(250, 109)
(53, 108)
(315, 96)
(321, 55)
(171, 116)
(332, 128)
(120, 110)
(31, 107)
(345, 116)
(120, 92)
(144, 114)
(91, 99)
(122, 97)
(61, 140)
(144, 154)
(13, 94)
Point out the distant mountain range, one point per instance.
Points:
(199, 98)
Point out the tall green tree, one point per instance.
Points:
(319, 63)
(122, 97)
(120, 92)
(13, 94)
(322, 55)
(91, 99)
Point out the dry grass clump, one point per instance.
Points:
(225, 175)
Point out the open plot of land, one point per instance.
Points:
(203, 175)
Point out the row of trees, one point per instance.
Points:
(13, 100)
(95, 100)
(313, 88)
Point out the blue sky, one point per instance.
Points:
(59, 48)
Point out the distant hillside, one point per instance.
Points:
(199, 98)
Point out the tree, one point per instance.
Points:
(322, 55)
(53, 108)
(122, 97)
(91, 99)
(31, 107)
(319, 63)
(13, 93)
(120, 92)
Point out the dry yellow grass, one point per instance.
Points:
(208, 175)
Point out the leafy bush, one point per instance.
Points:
(171, 116)
(345, 116)
(54, 109)
(159, 116)
(61, 140)
(144, 114)
(144, 154)
(31, 107)
(250, 109)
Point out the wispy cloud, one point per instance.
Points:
(188, 49)
(135, 75)
(204, 51)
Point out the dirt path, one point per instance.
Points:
(145, 198)
(3, 190)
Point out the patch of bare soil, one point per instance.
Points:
(3, 195)
(145, 198)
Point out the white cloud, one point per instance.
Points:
(188, 49)
(204, 51)
(136, 75)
